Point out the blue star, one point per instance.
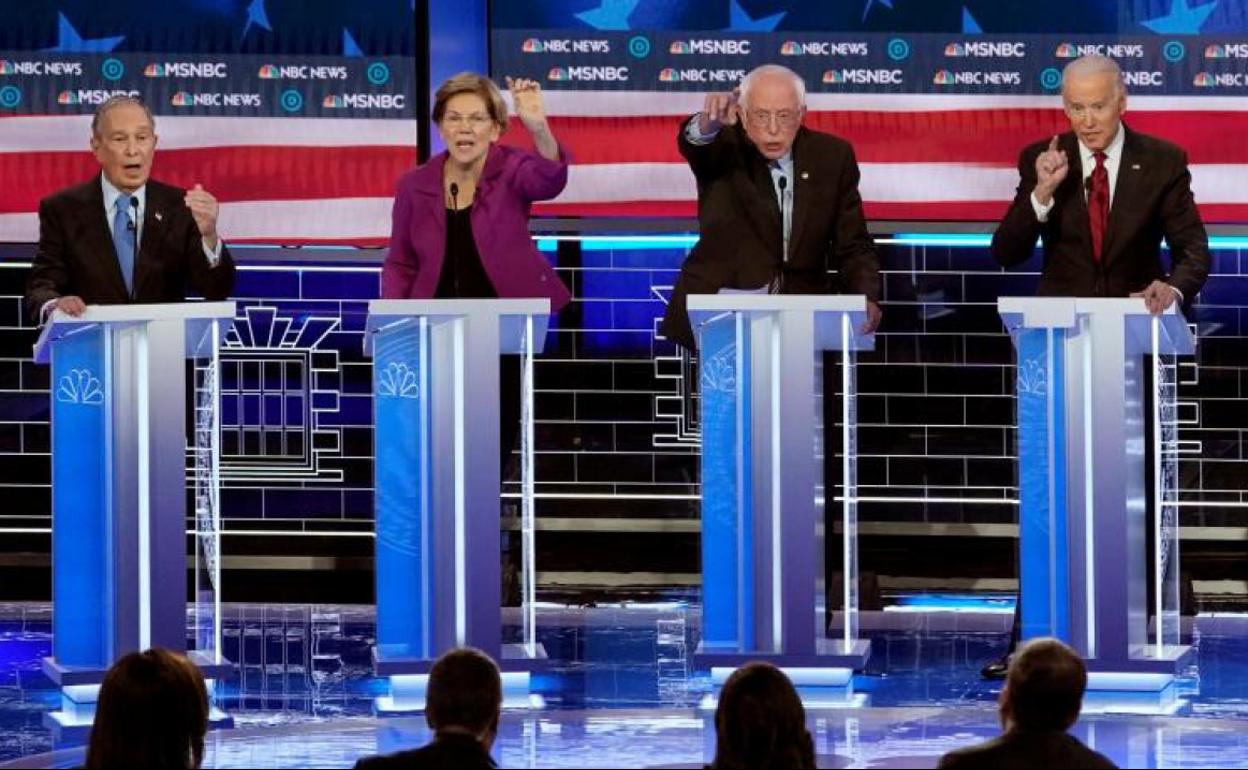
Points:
(349, 46)
(609, 15)
(867, 8)
(969, 25)
(740, 21)
(258, 16)
(69, 41)
(1182, 19)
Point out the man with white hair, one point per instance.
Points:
(1101, 198)
(778, 204)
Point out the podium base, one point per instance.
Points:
(409, 680)
(1147, 659)
(829, 654)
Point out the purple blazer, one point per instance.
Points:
(511, 180)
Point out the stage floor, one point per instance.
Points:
(623, 695)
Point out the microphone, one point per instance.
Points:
(783, 184)
(134, 228)
(450, 234)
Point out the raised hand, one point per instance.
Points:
(720, 109)
(204, 209)
(1051, 168)
(527, 97)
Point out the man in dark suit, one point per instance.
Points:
(462, 707)
(1041, 700)
(1101, 227)
(778, 204)
(122, 237)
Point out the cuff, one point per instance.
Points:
(213, 255)
(46, 310)
(1042, 211)
(694, 134)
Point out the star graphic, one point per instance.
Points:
(867, 8)
(609, 15)
(1182, 19)
(258, 16)
(69, 41)
(740, 21)
(969, 25)
(349, 46)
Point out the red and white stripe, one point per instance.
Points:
(922, 157)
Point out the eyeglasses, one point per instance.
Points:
(474, 121)
(783, 118)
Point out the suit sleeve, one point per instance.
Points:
(540, 179)
(1189, 244)
(398, 272)
(1015, 239)
(212, 283)
(857, 261)
(49, 275)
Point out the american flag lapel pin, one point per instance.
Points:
(1135, 166)
(160, 217)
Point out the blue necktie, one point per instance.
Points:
(123, 240)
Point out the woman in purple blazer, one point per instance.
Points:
(461, 219)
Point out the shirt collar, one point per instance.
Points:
(111, 194)
(1112, 152)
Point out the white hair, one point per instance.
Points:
(1093, 64)
(766, 70)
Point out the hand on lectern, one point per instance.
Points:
(71, 305)
(874, 316)
(1158, 297)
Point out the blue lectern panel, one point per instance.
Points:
(400, 385)
(82, 531)
(727, 542)
(1043, 545)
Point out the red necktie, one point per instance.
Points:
(1098, 205)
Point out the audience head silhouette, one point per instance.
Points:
(760, 722)
(1044, 687)
(152, 712)
(465, 695)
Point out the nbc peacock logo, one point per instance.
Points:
(7, 67)
(531, 45)
(154, 70)
(557, 73)
(790, 48)
(943, 78)
(668, 75)
(955, 49)
(679, 47)
(333, 102)
(182, 99)
(1215, 51)
(1203, 80)
(67, 97)
(269, 72)
(1066, 51)
(834, 76)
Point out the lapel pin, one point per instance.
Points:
(160, 216)
(1135, 166)
(805, 175)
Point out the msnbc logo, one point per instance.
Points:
(955, 49)
(532, 45)
(67, 97)
(679, 46)
(269, 72)
(834, 76)
(183, 99)
(7, 67)
(154, 70)
(943, 78)
(1066, 51)
(333, 102)
(791, 48)
(557, 73)
(1215, 52)
(668, 75)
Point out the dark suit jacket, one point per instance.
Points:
(1152, 199)
(1025, 749)
(446, 752)
(741, 238)
(76, 254)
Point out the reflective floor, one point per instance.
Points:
(623, 694)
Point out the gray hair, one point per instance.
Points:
(119, 100)
(1093, 64)
(766, 70)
